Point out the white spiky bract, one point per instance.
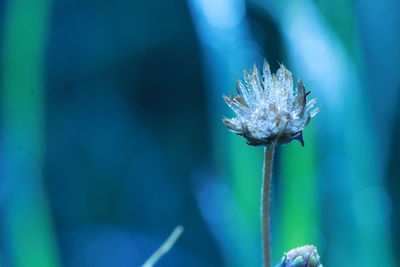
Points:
(305, 256)
(268, 109)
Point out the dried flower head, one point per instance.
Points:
(305, 256)
(268, 109)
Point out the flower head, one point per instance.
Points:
(305, 256)
(268, 109)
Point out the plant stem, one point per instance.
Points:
(265, 202)
(165, 247)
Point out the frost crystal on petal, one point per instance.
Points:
(268, 108)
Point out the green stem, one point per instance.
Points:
(25, 213)
(265, 202)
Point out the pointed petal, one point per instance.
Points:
(301, 98)
(241, 101)
(300, 93)
(256, 78)
(238, 88)
(256, 83)
(315, 111)
(245, 93)
(267, 77)
(286, 81)
(231, 125)
(274, 92)
(252, 80)
(238, 108)
(246, 77)
(311, 103)
(247, 81)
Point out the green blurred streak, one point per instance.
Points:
(27, 219)
(353, 240)
(298, 191)
(340, 15)
(247, 173)
(374, 242)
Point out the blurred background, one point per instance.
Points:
(111, 133)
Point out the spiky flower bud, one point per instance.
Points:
(268, 109)
(305, 256)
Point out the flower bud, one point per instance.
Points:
(305, 256)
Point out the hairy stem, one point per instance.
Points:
(265, 202)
